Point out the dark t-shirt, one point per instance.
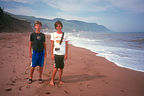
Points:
(37, 40)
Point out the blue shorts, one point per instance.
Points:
(38, 58)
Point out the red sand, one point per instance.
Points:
(85, 74)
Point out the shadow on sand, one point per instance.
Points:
(80, 78)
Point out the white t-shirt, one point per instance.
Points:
(56, 38)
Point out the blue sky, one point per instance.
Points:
(117, 15)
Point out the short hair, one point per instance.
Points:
(58, 22)
(37, 22)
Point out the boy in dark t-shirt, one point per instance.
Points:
(37, 43)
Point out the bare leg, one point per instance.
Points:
(40, 72)
(60, 76)
(31, 73)
(53, 76)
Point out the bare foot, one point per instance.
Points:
(40, 81)
(51, 83)
(61, 82)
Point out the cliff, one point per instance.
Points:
(11, 24)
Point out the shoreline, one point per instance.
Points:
(119, 65)
(114, 47)
(109, 60)
(110, 56)
(85, 74)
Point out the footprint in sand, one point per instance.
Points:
(8, 46)
(105, 81)
(88, 85)
(66, 92)
(9, 56)
(123, 91)
(81, 90)
(14, 79)
(1, 63)
(14, 70)
(20, 88)
(80, 84)
(98, 73)
(48, 93)
(11, 84)
(8, 89)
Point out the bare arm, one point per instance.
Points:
(45, 48)
(52, 46)
(30, 49)
(66, 54)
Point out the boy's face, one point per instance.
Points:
(38, 27)
(58, 27)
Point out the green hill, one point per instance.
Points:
(11, 24)
(69, 25)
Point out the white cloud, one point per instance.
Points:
(46, 17)
(130, 5)
(21, 1)
(96, 5)
(21, 10)
(5, 0)
(78, 5)
(90, 5)
(71, 17)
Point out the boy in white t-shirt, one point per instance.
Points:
(59, 51)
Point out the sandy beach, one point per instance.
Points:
(85, 74)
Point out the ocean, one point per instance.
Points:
(125, 49)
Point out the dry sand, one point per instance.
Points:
(85, 74)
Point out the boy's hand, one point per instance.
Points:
(30, 55)
(52, 56)
(65, 57)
